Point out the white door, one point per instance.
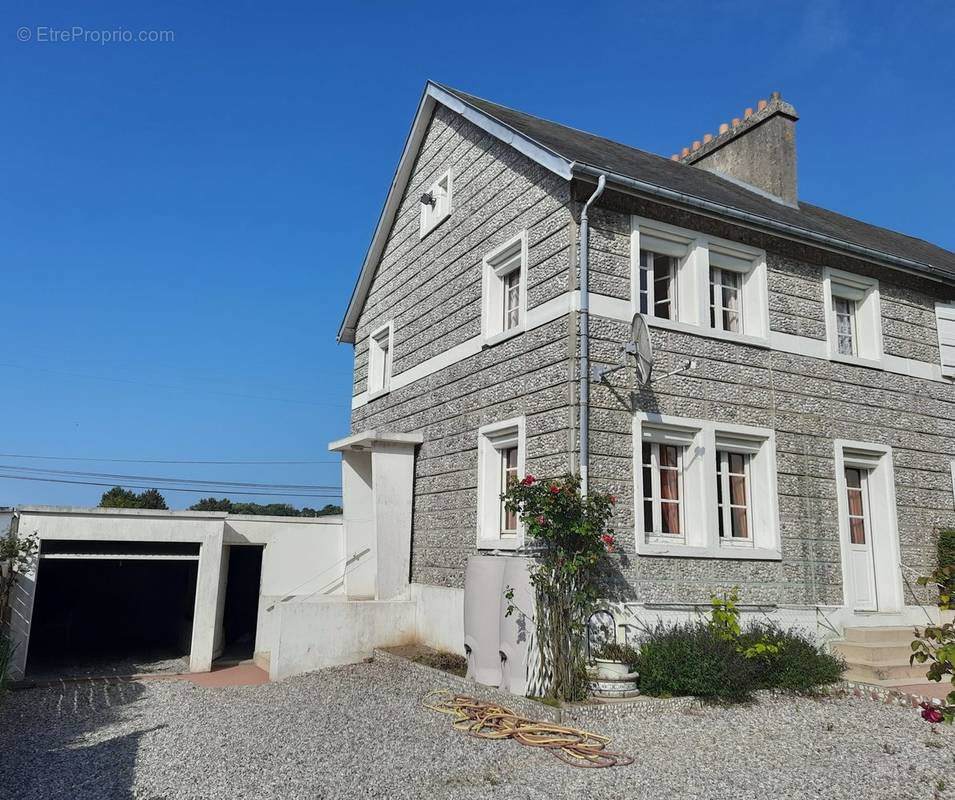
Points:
(859, 530)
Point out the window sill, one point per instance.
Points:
(502, 336)
(499, 544)
(435, 224)
(375, 394)
(710, 333)
(734, 552)
(857, 361)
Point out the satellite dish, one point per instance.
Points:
(642, 348)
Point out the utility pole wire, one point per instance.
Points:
(161, 460)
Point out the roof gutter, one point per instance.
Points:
(755, 220)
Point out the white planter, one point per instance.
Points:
(611, 669)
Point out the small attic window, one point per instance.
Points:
(436, 204)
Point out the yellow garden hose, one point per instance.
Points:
(492, 721)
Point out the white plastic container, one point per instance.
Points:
(483, 607)
(517, 631)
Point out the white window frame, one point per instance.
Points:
(500, 262)
(442, 190)
(723, 476)
(945, 328)
(493, 440)
(381, 354)
(694, 253)
(863, 292)
(702, 440)
(883, 532)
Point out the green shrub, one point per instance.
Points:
(612, 651)
(788, 659)
(946, 547)
(6, 656)
(693, 659)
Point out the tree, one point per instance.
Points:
(118, 497)
(258, 509)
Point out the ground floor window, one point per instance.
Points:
(706, 488)
(501, 453)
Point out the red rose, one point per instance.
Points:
(931, 713)
(608, 541)
(554, 489)
(542, 520)
(613, 500)
(528, 480)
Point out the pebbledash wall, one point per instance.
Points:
(446, 385)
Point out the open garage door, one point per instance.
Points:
(112, 607)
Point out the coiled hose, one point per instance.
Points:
(492, 721)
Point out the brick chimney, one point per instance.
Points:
(758, 150)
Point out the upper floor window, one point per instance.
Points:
(682, 279)
(945, 321)
(725, 306)
(380, 345)
(657, 284)
(732, 494)
(853, 316)
(436, 204)
(505, 290)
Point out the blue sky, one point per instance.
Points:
(181, 223)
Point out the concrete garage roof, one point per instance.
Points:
(571, 153)
(166, 513)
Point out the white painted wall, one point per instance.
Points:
(314, 634)
(302, 557)
(439, 616)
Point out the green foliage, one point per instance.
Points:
(946, 547)
(724, 615)
(570, 535)
(612, 651)
(6, 656)
(16, 556)
(258, 509)
(118, 497)
(935, 646)
(788, 659)
(693, 659)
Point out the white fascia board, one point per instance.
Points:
(434, 94)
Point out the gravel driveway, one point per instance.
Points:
(360, 732)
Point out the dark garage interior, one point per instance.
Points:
(96, 609)
(241, 602)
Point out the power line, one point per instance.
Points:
(160, 479)
(245, 396)
(161, 460)
(324, 496)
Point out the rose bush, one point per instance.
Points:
(568, 535)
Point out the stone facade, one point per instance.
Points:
(431, 288)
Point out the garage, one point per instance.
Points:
(115, 606)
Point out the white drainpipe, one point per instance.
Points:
(585, 339)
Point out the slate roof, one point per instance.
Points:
(604, 154)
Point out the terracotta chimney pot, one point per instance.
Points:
(697, 145)
(747, 113)
(707, 138)
(724, 128)
(686, 152)
(761, 105)
(675, 157)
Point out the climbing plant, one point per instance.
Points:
(935, 645)
(569, 534)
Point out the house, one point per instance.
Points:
(799, 436)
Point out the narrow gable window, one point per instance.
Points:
(436, 204)
(500, 463)
(725, 306)
(380, 344)
(505, 290)
(853, 316)
(661, 256)
(945, 319)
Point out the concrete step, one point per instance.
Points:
(882, 634)
(885, 674)
(872, 652)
